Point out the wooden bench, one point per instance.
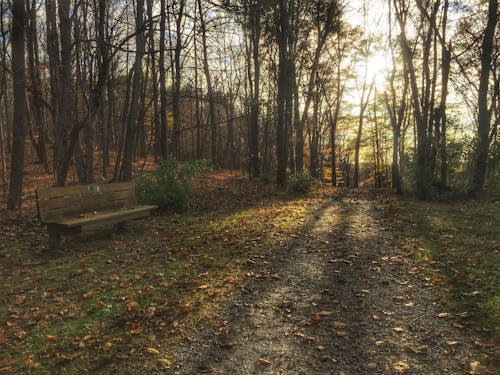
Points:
(71, 210)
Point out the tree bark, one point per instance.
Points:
(210, 91)
(253, 141)
(484, 113)
(36, 81)
(161, 135)
(154, 82)
(133, 113)
(14, 200)
(284, 92)
(176, 97)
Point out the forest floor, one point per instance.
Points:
(254, 281)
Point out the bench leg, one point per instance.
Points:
(120, 227)
(54, 239)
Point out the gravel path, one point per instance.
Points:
(340, 298)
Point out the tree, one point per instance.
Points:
(176, 97)
(284, 101)
(423, 97)
(133, 114)
(210, 91)
(14, 200)
(253, 133)
(484, 113)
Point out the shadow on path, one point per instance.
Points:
(341, 298)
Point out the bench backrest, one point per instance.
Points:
(71, 201)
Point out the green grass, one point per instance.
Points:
(108, 298)
(458, 243)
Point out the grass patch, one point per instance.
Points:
(458, 245)
(118, 303)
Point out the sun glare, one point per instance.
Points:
(378, 66)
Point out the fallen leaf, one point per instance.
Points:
(31, 363)
(133, 305)
(229, 279)
(416, 350)
(107, 345)
(262, 362)
(152, 351)
(452, 342)
(443, 314)
(205, 286)
(401, 367)
(163, 362)
(20, 300)
(340, 333)
(338, 325)
(398, 329)
(316, 318)
(324, 313)
(409, 304)
(52, 337)
(88, 295)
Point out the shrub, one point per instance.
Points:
(169, 185)
(301, 182)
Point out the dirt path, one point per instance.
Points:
(341, 298)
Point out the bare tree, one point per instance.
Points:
(484, 113)
(133, 112)
(14, 200)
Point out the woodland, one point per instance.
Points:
(327, 172)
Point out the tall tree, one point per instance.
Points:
(484, 113)
(176, 95)
(253, 134)
(423, 97)
(284, 110)
(132, 118)
(14, 200)
(35, 69)
(161, 134)
(210, 91)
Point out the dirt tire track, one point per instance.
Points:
(342, 298)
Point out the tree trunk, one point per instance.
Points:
(484, 114)
(14, 200)
(154, 82)
(420, 109)
(210, 91)
(253, 141)
(161, 135)
(365, 97)
(176, 97)
(65, 93)
(36, 95)
(284, 92)
(133, 114)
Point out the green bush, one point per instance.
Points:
(168, 186)
(300, 182)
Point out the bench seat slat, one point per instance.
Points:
(102, 217)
